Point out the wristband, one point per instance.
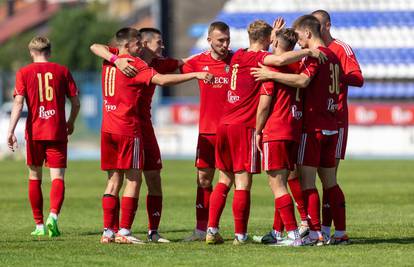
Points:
(113, 58)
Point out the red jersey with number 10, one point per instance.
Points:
(321, 95)
(212, 94)
(244, 93)
(122, 97)
(45, 86)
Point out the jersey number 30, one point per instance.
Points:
(334, 87)
(47, 88)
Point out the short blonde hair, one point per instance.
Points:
(40, 44)
(259, 30)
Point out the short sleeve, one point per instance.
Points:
(145, 73)
(165, 65)
(349, 62)
(20, 86)
(72, 89)
(267, 88)
(113, 50)
(189, 66)
(310, 67)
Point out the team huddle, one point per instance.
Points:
(285, 112)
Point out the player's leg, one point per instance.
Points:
(296, 190)
(217, 203)
(241, 205)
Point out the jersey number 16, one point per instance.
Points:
(47, 88)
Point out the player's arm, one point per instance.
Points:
(294, 56)
(74, 111)
(14, 118)
(122, 64)
(172, 79)
(354, 78)
(293, 80)
(261, 117)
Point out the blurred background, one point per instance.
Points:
(381, 32)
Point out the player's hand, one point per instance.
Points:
(262, 73)
(12, 141)
(278, 24)
(123, 65)
(316, 53)
(70, 127)
(259, 142)
(206, 76)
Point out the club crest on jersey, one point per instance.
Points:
(297, 114)
(331, 106)
(227, 68)
(46, 114)
(231, 97)
(205, 68)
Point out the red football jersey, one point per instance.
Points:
(122, 97)
(45, 86)
(212, 94)
(285, 118)
(321, 95)
(243, 95)
(349, 64)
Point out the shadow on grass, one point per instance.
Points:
(363, 240)
(163, 232)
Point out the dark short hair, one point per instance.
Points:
(288, 38)
(218, 25)
(126, 34)
(308, 22)
(323, 13)
(148, 33)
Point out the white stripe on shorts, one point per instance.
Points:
(135, 163)
(253, 156)
(339, 144)
(266, 155)
(301, 151)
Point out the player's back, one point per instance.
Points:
(45, 86)
(121, 97)
(321, 95)
(243, 94)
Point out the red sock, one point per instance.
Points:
(202, 206)
(313, 206)
(57, 195)
(109, 203)
(241, 210)
(115, 225)
(285, 206)
(154, 210)
(36, 200)
(217, 203)
(129, 206)
(296, 191)
(326, 210)
(337, 202)
(277, 221)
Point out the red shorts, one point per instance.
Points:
(205, 157)
(53, 153)
(120, 152)
(342, 140)
(152, 155)
(317, 150)
(280, 155)
(236, 149)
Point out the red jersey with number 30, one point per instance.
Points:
(122, 97)
(45, 86)
(285, 117)
(212, 94)
(243, 95)
(321, 95)
(349, 64)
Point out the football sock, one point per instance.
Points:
(337, 203)
(241, 210)
(154, 210)
(278, 225)
(296, 191)
(294, 234)
(315, 234)
(109, 205)
(241, 237)
(313, 206)
(40, 227)
(115, 225)
(326, 209)
(326, 230)
(57, 195)
(53, 215)
(129, 206)
(338, 234)
(202, 206)
(108, 233)
(124, 231)
(284, 204)
(217, 203)
(36, 200)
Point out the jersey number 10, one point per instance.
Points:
(48, 89)
(110, 81)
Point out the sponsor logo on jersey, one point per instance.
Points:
(218, 81)
(109, 107)
(331, 106)
(46, 114)
(297, 114)
(232, 97)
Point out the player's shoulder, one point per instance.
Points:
(338, 46)
(136, 61)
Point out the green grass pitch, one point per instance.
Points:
(380, 212)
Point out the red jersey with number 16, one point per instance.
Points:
(321, 95)
(244, 93)
(45, 86)
(122, 97)
(212, 94)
